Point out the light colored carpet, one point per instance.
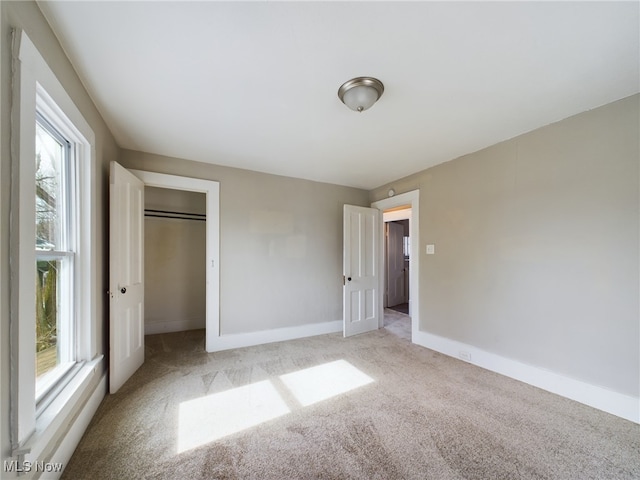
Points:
(421, 415)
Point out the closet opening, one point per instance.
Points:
(174, 260)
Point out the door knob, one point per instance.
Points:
(348, 279)
(123, 290)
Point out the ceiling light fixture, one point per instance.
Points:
(360, 93)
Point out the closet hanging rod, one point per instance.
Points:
(148, 212)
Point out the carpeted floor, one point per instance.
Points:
(373, 406)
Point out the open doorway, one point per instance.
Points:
(211, 191)
(408, 206)
(126, 264)
(396, 270)
(174, 260)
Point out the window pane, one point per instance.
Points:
(47, 310)
(54, 258)
(49, 200)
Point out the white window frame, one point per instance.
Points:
(35, 87)
(64, 252)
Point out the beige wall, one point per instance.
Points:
(27, 16)
(537, 247)
(174, 262)
(280, 244)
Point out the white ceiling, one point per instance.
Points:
(254, 84)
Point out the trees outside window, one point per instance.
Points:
(54, 249)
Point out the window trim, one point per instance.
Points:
(35, 87)
(47, 384)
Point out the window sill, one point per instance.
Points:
(56, 415)
(50, 381)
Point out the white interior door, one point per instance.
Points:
(361, 304)
(395, 264)
(126, 276)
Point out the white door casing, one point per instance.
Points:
(211, 189)
(362, 310)
(126, 276)
(412, 201)
(395, 264)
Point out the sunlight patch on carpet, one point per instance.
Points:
(206, 419)
(312, 385)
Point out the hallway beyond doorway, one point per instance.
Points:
(397, 323)
(402, 308)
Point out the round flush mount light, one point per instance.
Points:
(359, 94)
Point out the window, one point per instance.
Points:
(54, 244)
(54, 339)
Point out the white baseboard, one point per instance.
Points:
(72, 438)
(618, 404)
(239, 340)
(153, 328)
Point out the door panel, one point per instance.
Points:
(126, 276)
(361, 269)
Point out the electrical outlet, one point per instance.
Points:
(431, 249)
(466, 356)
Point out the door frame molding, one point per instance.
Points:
(412, 199)
(211, 189)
